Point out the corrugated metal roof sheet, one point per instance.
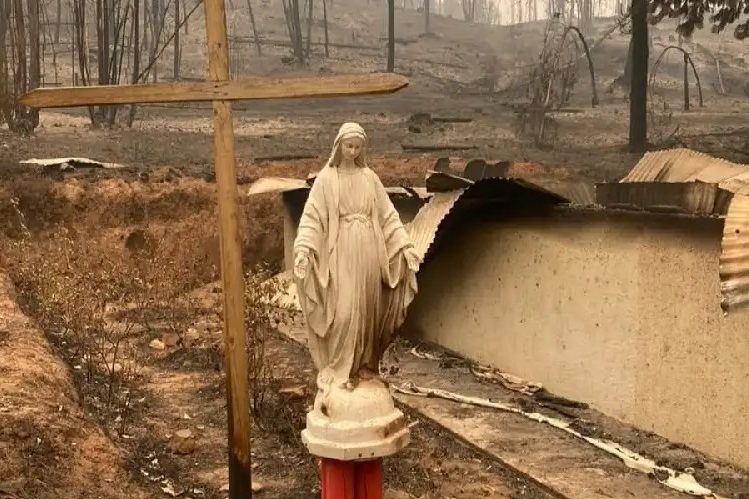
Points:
(577, 192)
(730, 184)
(685, 165)
(267, 185)
(734, 255)
(424, 226)
(683, 197)
(445, 189)
(431, 218)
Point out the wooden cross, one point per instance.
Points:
(222, 91)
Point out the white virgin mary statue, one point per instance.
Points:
(354, 263)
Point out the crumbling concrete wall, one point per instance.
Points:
(618, 310)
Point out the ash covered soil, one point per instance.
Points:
(450, 72)
(83, 415)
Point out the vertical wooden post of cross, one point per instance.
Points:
(237, 396)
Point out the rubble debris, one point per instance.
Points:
(184, 443)
(299, 391)
(191, 337)
(545, 396)
(514, 383)
(168, 488)
(64, 164)
(442, 165)
(171, 339)
(157, 344)
(682, 482)
(477, 169)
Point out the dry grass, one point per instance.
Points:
(105, 267)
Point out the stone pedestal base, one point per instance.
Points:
(355, 425)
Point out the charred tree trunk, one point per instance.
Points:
(136, 55)
(177, 50)
(294, 26)
(254, 28)
(5, 94)
(146, 39)
(155, 37)
(102, 51)
(58, 21)
(309, 29)
(102, 33)
(297, 22)
(325, 22)
(426, 16)
(391, 36)
(22, 79)
(638, 114)
(34, 54)
(686, 82)
(81, 42)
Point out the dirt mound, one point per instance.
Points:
(48, 447)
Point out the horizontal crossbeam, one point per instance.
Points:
(245, 89)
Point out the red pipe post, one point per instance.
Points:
(351, 480)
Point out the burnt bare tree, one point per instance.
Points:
(426, 15)
(309, 28)
(294, 27)
(18, 73)
(391, 36)
(136, 54)
(126, 31)
(157, 26)
(469, 9)
(325, 23)
(638, 101)
(58, 21)
(35, 70)
(254, 27)
(177, 48)
(553, 80)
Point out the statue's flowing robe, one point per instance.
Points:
(358, 284)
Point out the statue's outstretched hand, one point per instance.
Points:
(301, 262)
(412, 258)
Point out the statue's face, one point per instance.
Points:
(351, 148)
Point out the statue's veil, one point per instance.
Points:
(347, 131)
